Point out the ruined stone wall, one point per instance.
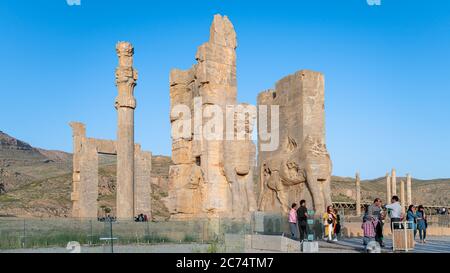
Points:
(133, 165)
(209, 177)
(301, 167)
(85, 174)
(142, 182)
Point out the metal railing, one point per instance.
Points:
(30, 233)
(350, 207)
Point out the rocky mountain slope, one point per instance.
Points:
(38, 182)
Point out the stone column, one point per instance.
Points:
(142, 182)
(394, 182)
(408, 189)
(88, 206)
(358, 195)
(402, 195)
(388, 189)
(79, 136)
(125, 104)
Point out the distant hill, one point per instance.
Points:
(39, 183)
(426, 192)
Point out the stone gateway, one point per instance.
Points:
(218, 176)
(133, 164)
(301, 167)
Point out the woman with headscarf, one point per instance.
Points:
(411, 217)
(329, 221)
(422, 223)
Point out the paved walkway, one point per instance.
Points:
(345, 245)
(434, 245)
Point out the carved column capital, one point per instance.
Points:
(126, 76)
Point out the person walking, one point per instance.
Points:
(302, 217)
(395, 212)
(422, 224)
(374, 211)
(411, 218)
(293, 221)
(337, 227)
(329, 221)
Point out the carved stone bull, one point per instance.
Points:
(310, 163)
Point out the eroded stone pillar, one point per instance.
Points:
(142, 182)
(88, 186)
(402, 195)
(125, 104)
(78, 135)
(358, 194)
(388, 189)
(408, 190)
(299, 166)
(394, 182)
(211, 176)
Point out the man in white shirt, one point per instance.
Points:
(395, 211)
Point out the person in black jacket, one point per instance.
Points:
(302, 216)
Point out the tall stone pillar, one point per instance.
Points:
(394, 182)
(125, 104)
(402, 195)
(88, 188)
(408, 190)
(388, 189)
(358, 195)
(79, 136)
(142, 185)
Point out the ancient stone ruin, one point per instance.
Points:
(214, 177)
(133, 164)
(210, 177)
(301, 167)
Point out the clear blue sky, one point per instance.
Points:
(387, 70)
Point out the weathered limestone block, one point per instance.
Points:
(126, 77)
(79, 136)
(182, 77)
(186, 190)
(182, 152)
(88, 186)
(217, 94)
(388, 188)
(402, 195)
(142, 179)
(408, 190)
(105, 146)
(393, 183)
(358, 194)
(222, 55)
(239, 161)
(210, 177)
(215, 73)
(301, 157)
(222, 32)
